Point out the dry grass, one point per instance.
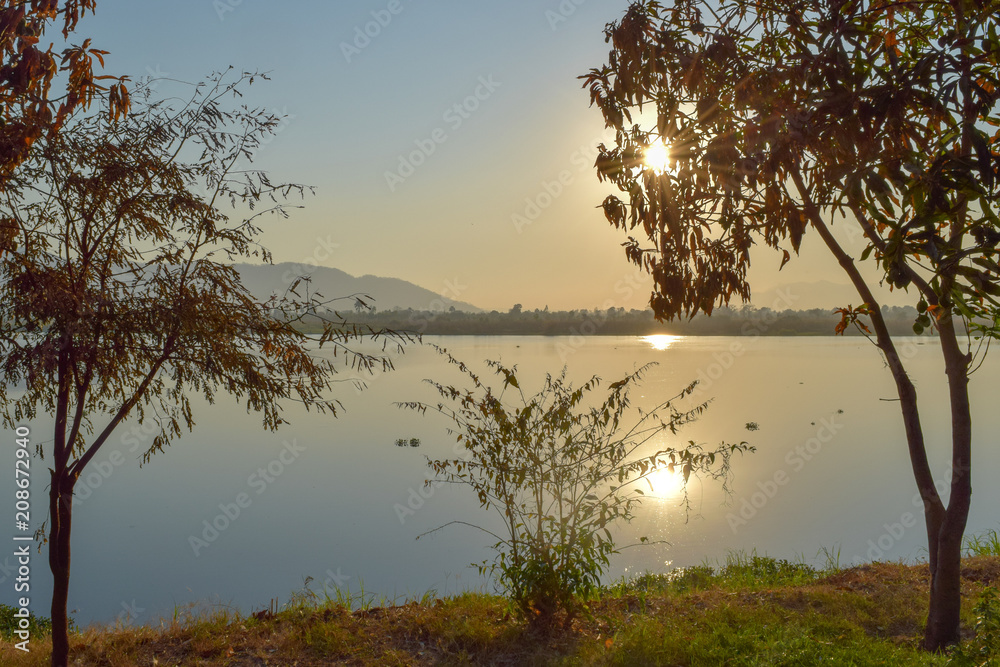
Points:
(873, 613)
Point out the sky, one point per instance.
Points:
(450, 143)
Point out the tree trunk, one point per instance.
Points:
(943, 620)
(61, 514)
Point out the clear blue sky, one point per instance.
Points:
(357, 106)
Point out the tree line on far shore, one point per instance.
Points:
(745, 321)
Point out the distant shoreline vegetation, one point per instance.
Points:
(745, 321)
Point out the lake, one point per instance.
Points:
(337, 501)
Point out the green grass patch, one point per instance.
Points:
(748, 610)
(741, 570)
(984, 544)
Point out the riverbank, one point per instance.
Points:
(749, 611)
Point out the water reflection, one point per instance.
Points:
(661, 341)
(337, 513)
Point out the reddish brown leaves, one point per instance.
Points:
(876, 113)
(27, 72)
(849, 316)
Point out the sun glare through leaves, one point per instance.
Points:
(657, 157)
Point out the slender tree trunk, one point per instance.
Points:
(933, 522)
(61, 514)
(943, 621)
(945, 525)
(64, 477)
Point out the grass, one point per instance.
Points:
(986, 544)
(751, 610)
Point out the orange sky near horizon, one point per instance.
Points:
(449, 143)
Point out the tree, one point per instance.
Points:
(561, 474)
(115, 300)
(744, 122)
(27, 72)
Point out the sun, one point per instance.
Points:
(656, 156)
(665, 483)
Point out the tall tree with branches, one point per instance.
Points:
(782, 118)
(28, 69)
(118, 298)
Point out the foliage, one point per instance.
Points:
(986, 544)
(37, 625)
(725, 321)
(560, 475)
(118, 297)
(877, 116)
(741, 571)
(116, 292)
(750, 570)
(984, 650)
(779, 117)
(27, 72)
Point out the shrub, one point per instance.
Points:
(984, 649)
(37, 625)
(560, 474)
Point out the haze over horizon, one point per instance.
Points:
(450, 144)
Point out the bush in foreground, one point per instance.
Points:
(561, 474)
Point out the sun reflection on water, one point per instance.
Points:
(660, 341)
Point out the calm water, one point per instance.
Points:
(324, 498)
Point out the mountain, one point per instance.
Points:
(265, 279)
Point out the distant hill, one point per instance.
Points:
(265, 279)
(821, 294)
